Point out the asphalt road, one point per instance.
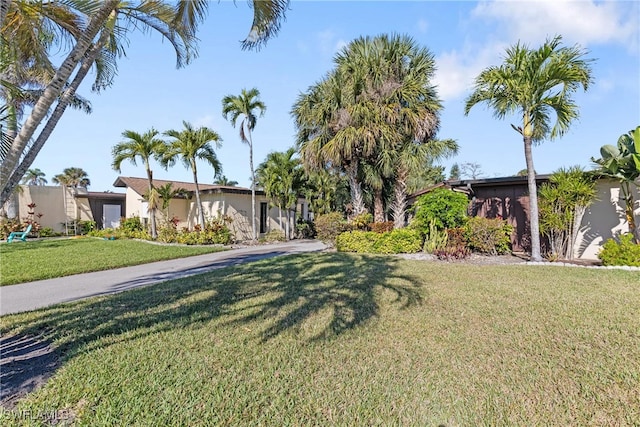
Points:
(43, 293)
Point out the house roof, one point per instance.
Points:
(466, 185)
(141, 185)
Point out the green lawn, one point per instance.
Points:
(342, 339)
(45, 259)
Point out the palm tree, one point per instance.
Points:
(144, 146)
(223, 180)
(190, 145)
(378, 96)
(166, 193)
(281, 177)
(34, 177)
(72, 177)
(534, 83)
(622, 163)
(101, 18)
(246, 105)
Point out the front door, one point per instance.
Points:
(111, 216)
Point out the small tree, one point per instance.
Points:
(563, 203)
(446, 208)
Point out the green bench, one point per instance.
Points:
(22, 235)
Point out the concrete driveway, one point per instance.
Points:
(43, 293)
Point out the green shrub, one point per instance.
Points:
(381, 227)
(488, 236)
(391, 242)
(85, 227)
(621, 251)
(328, 226)
(131, 224)
(362, 221)
(448, 209)
(435, 239)
(305, 229)
(48, 232)
(167, 234)
(274, 236)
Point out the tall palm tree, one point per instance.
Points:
(246, 105)
(144, 146)
(34, 177)
(378, 96)
(72, 177)
(99, 19)
(189, 145)
(534, 83)
(281, 177)
(223, 180)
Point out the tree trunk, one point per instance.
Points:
(53, 90)
(628, 210)
(63, 103)
(400, 203)
(198, 202)
(378, 206)
(154, 229)
(254, 235)
(356, 189)
(533, 201)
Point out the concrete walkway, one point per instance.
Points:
(43, 293)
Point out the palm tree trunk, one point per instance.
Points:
(154, 229)
(533, 201)
(63, 103)
(254, 235)
(356, 188)
(400, 202)
(53, 90)
(378, 206)
(198, 202)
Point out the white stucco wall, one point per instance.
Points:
(604, 219)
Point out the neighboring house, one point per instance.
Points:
(217, 200)
(507, 198)
(62, 207)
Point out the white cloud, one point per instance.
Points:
(458, 69)
(583, 22)
(329, 43)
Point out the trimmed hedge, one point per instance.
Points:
(392, 242)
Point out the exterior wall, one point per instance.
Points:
(510, 203)
(49, 201)
(604, 219)
(134, 205)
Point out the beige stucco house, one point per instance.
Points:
(60, 208)
(217, 200)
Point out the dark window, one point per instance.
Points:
(263, 217)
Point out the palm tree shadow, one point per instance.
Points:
(334, 293)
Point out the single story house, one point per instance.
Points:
(217, 200)
(508, 198)
(61, 208)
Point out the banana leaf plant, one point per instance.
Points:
(622, 163)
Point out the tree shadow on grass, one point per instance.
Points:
(335, 292)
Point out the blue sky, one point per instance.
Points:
(464, 37)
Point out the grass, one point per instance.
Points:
(343, 339)
(46, 259)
